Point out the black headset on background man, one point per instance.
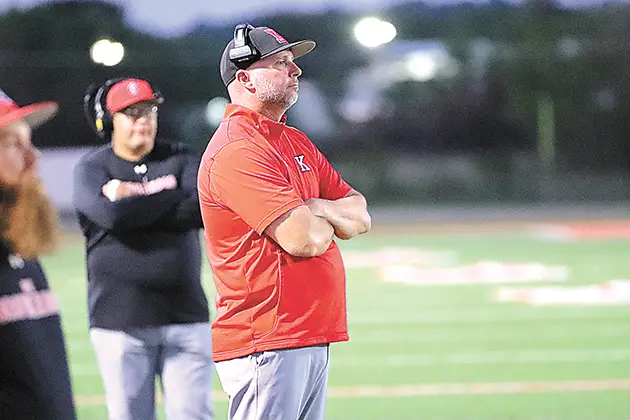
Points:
(243, 53)
(95, 105)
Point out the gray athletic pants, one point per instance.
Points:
(277, 385)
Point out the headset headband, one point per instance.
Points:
(243, 51)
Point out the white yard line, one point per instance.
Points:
(497, 316)
(505, 335)
(453, 389)
(450, 335)
(446, 316)
(481, 358)
(536, 356)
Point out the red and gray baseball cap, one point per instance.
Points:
(130, 91)
(33, 115)
(264, 42)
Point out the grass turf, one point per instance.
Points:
(415, 336)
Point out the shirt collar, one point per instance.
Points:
(258, 120)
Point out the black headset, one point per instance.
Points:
(243, 53)
(95, 105)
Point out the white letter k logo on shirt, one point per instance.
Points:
(300, 161)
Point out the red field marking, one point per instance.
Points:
(613, 292)
(618, 229)
(482, 272)
(487, 388)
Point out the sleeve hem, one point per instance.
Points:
(267, 220)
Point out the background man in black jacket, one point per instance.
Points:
(34, 377)
(137, 204)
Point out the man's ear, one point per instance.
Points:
(242, 77)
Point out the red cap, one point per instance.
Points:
(33, 115)
(128, 92)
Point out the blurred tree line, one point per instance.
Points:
(575, 62)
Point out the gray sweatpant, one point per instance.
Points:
(277, 385)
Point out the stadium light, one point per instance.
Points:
(215, 110)
(422, 66)
(372, 32)
(107, 53)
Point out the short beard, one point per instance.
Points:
(268, 94)
(29, 220)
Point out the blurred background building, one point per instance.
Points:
(436, 102)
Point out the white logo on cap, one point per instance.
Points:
(133, 88)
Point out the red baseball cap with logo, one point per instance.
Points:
(33, 115)
(128, 92)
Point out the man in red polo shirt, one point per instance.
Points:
(272, 205)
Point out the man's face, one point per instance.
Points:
(275, 79)
(17, 155)
(135, 127)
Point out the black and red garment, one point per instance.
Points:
(34, 376)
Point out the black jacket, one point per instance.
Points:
(143, 252)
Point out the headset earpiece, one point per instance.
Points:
(103, 121)
(243, 52)
(99, 110)
(103, 118)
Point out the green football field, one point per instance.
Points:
(448, 351)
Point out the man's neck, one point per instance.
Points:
(131, 155)
(273, 112)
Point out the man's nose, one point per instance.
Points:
(295, 70)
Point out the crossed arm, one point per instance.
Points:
(122, 213)
(247, 180)
(307, 230)
(180, 217)
(348, 216)
(114, 205)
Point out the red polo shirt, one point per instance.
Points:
(253, 171)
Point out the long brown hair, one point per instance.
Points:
(28, 220)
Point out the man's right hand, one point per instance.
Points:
(348, 215)
(115, 190)
(301, 233)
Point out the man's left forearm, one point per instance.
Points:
(348, 216)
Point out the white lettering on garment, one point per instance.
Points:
(28, 304)
(167, 182)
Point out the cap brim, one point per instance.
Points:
(34, 115)
(298, 48)
(158, 100)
